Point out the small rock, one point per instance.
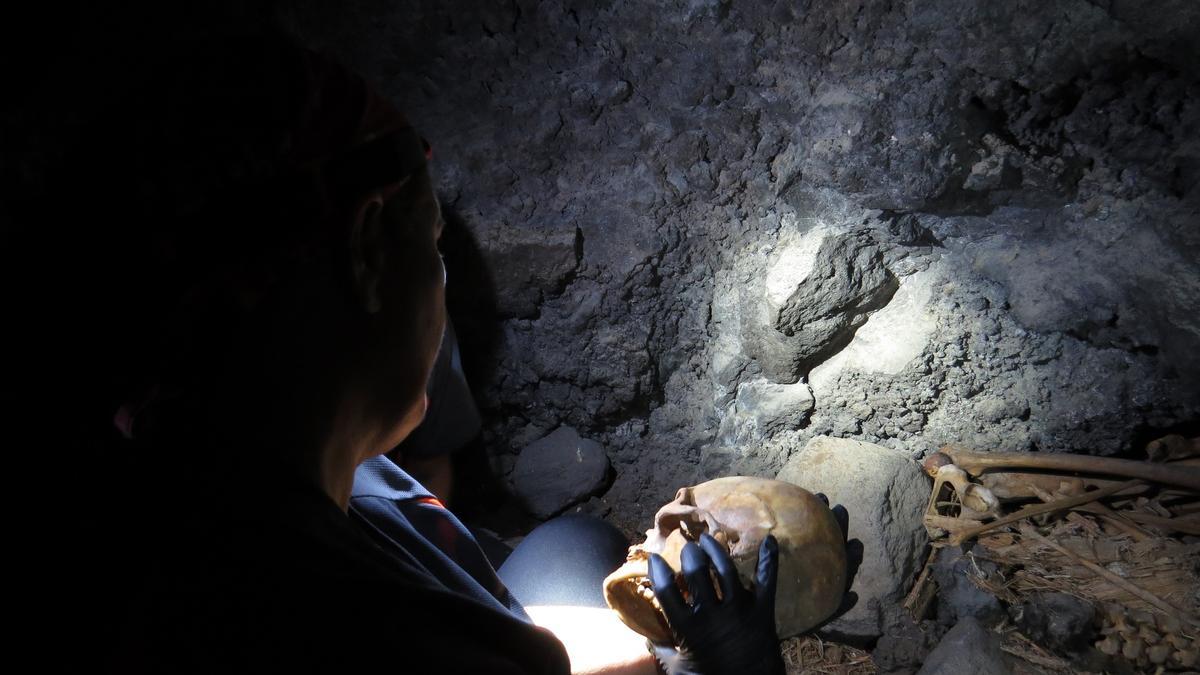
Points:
(969, 649)
(960, 597)
(595, 506)
(884, 492)
(556, 471)
(906, 645)
(1058, 621)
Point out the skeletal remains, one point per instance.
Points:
(956, 504)
(740, 512)
(958, 507)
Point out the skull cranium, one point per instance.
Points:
(739, 512)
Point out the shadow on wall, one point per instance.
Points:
(481, 495)
(854, 558)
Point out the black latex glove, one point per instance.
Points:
(732, 636)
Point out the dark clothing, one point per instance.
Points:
(282, 580)
(409, 523)
(562, 562)
(580, 550)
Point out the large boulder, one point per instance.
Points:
(884, 493)
(559, 470)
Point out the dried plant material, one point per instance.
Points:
(1180, 524)
(1116, 520)
(1118, 554)
(924, 590)
(1020, 646)
(810, 654)
(1115, 579)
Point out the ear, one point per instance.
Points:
(366, 252)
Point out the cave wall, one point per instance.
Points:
(702, 232)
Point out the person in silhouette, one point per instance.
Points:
(267, 299)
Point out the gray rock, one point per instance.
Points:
(559, 470)
(892, 338)
(906, 645)
(773, 407)
(884, 492)
(958, 595)
(817, 288)
(1058, 621)
(629, 217)
(526, 267)
(968, 648)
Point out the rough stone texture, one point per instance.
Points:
(626, 175)
(559, 470)
(884, 492)
(1038, 160)
(1057, 621)
(958, 595)
(818, 287)
(969, 647)
(766, 407)
(906, 644)
(891, 338)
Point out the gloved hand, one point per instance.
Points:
(732, 636)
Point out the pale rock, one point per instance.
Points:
(884, 493)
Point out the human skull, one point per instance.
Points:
(739, 512)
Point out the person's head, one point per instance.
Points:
(256, 251)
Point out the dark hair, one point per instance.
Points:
(211, 181)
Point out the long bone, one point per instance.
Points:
(1184, 474)
(1025, 484)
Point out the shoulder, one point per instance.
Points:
(381, 477)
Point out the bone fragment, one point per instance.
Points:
(1115, 579)
(1114, 518)
(974, 497)
(1183, 473)
(1022, 485)
(947, 523)
(1037, 509)
(1173, 447)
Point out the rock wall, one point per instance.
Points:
(702, 232)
